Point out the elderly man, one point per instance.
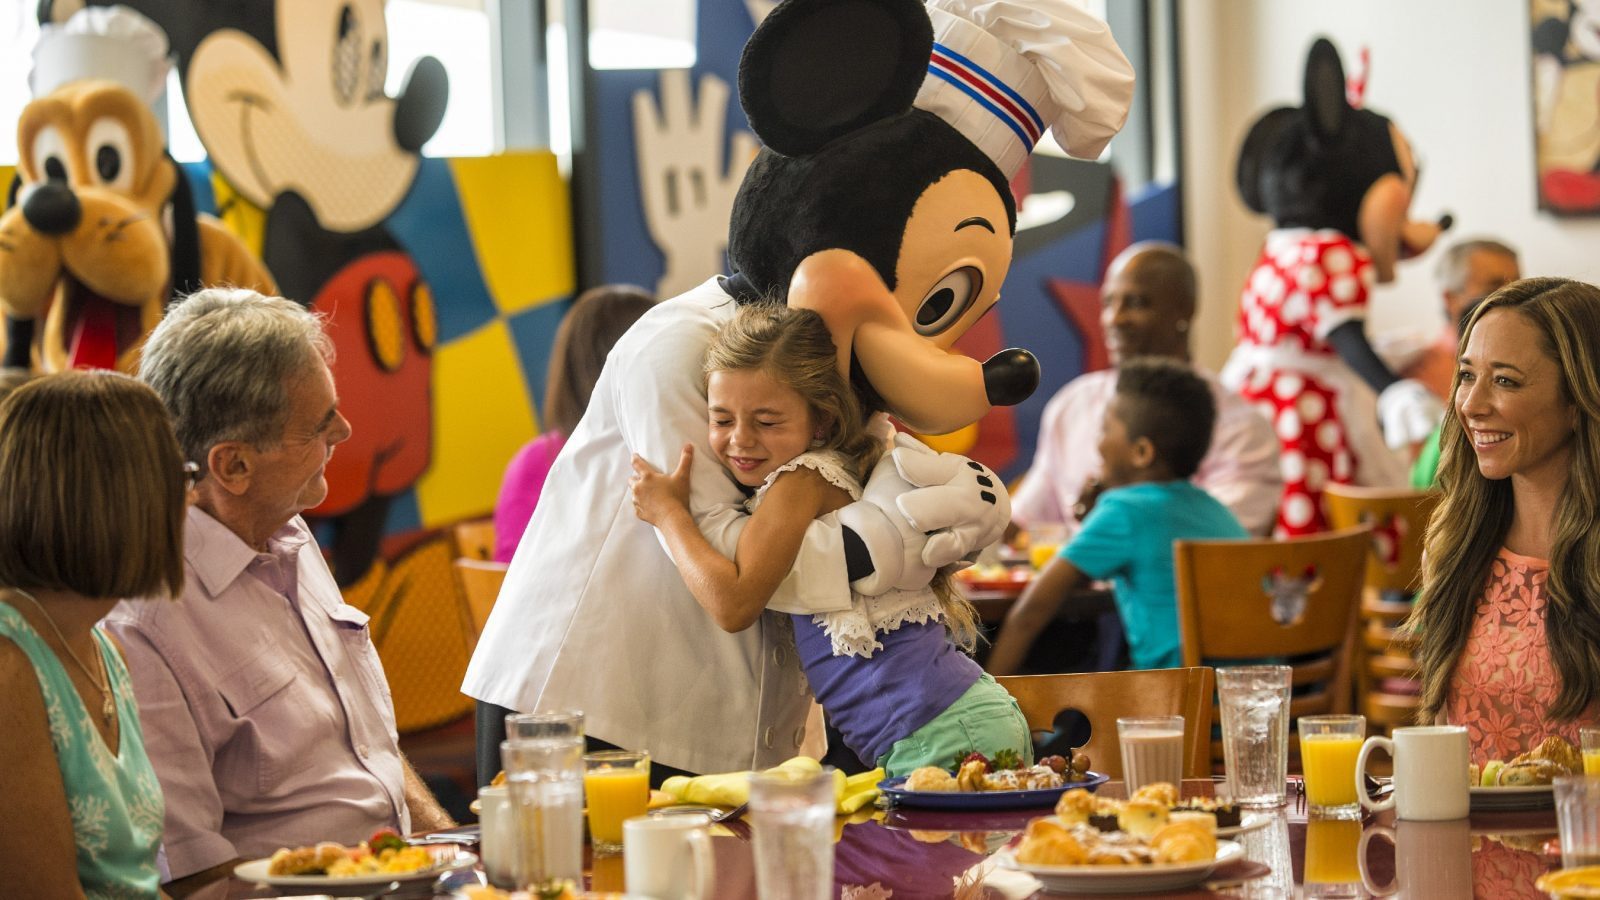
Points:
(1467, 272)
(264, 707)
(1149, 301)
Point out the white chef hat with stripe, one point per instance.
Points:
(110, 42)
(1003, 71)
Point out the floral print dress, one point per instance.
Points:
(1506, 682)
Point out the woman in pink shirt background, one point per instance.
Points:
(594, 323)
(1509, 613)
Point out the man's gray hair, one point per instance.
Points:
(1451, 271)
(223, 360)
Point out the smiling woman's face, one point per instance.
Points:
(1511, 402)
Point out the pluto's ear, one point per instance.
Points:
(1326, 107)
(818, 69)
(1255, 155)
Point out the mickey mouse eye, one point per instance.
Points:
(948, 301)
(348, 58)
(111, 153)
(377, 66)
(50, 154)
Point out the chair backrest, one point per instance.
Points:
(1104, 696)
(1295, 600)
(480, 581)
(1399, 519)
(474, 538)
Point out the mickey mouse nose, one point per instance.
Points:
(1010, 376)
(51, 208)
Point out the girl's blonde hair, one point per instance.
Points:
(794, 348)
(1469, 526)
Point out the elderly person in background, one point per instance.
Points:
(1509, 611)
(1467, 272)
(1149, 300)
(93, 512)
(265, 708)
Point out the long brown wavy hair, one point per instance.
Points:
(1470, 523)
(794, 347)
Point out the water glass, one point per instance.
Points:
(1329, 746)
(1152, 750)
(1578, 818)
(1589, 740)
(791, 819)
(545, 778)
(1255, 733)
(496, 835)
(538, 725)
(616, 787)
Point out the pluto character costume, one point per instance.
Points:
(102, 231)
(1337, 181)
(880, 200)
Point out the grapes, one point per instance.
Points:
(1056, 764)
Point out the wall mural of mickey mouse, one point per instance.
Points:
(1337, 181)
(288, 99)
(101, 230)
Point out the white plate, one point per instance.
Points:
(1533, 796)
(1247, 822)
(1123, 879)
(446, 857)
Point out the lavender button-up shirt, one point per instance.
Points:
(1240, 469)
(264, 707)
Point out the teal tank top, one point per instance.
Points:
(115, 801)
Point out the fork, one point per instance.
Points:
(711, 812)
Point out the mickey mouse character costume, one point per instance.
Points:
(1337, 180)
(880, 200)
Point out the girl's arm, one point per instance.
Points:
(736, 591)
(1032, 611)
(37, 826)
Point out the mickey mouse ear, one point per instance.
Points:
(1254, 155)
(1325, 104)
(818, 69)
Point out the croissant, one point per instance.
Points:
(1047, 842)
(1557, 749)
(1161, 792)
(1179, 842)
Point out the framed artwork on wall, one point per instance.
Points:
(1565, 60)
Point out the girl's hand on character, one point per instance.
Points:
(655, 495)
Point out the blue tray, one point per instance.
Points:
(893, 788)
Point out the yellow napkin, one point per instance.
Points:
(733, 788)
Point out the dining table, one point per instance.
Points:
(903, 853)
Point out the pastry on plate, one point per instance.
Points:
(1048, 842)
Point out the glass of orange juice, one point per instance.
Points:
(1328, 749)
(616, 786)
(1589, 740)
(1332, 868)
(1044, 542)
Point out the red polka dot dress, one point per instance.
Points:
(1306, 284)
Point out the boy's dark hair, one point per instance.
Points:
(1165, 401)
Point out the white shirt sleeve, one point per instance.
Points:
(661, 406)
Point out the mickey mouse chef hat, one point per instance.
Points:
(1003, 71)
(111, 42)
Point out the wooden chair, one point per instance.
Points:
(474, 538)
(1104, 696)
(1297, 600)
(1386, 676)
(480, 582)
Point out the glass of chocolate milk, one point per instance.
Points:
(1152, 750)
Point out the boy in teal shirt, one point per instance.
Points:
(1156, 431)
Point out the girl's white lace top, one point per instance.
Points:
(853, 632)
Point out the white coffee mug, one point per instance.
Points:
(1431, 859)
(497, 835)
(668, 857)
(1430, 773)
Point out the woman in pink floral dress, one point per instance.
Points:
(1509, 613)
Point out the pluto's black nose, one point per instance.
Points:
(51, 208)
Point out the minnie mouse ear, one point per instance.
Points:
(818, 69)
(1255, 155)
(1326, 106)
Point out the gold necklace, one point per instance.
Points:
(101, 684)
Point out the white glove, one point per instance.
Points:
(922, 510)
(1409, 412)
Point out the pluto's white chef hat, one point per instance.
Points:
(111, 42)
(1003, 71)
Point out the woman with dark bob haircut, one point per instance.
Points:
(92, 496)
(1509, 612)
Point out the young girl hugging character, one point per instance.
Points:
(889, 671)
(1156, 431)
